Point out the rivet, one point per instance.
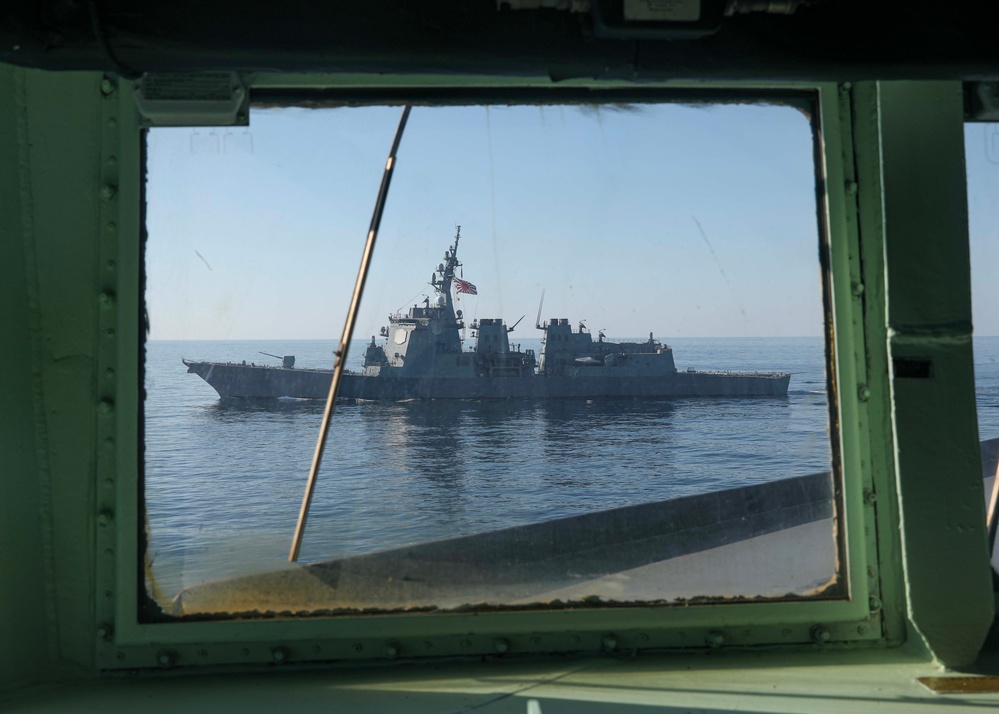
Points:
(279, 654)
(107, 87)
(644, 637)
(104, 632)
(574, 639)
(714, 639)
(535, 640)
(863, 392)
(107, 192)
(870, 497)
(466, 643)
(858, 289)
(105, 517)
(851, 188)
(428, 645)
(501, 645)
(609, 643)
(875, 603)
(166, 658)
(106, 406)
(786, 632)
(820, 634)
(109, 442)
(112, 160)
(112, 122)
(119, 656)
(357, 647)
(391, 650)
(202, 653)
(109, 373)
(110, 332)
(112, 227)
(845, 87)
(106, 299)
(861, 629)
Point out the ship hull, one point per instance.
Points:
(256, 382)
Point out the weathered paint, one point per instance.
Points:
(937, 455)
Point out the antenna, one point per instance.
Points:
(348, 331)
(537, 323)
(510, 329)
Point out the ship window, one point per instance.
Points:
(982, 162)
(696, 218)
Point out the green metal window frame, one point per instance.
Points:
(849, 163)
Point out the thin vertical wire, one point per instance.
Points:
(348, 331)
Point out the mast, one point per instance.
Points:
(446, 269)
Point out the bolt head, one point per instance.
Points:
(714, 639)
(821, 634)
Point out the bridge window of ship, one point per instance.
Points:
(665, 479)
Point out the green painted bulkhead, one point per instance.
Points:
(912, 507)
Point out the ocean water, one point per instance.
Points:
(224, 480)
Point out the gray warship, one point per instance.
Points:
(422, 357)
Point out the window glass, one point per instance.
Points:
(982, 160)
(542, 407)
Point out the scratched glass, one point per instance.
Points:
(588, 365)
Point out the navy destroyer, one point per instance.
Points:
(422, 357)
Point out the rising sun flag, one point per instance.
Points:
(463, 286)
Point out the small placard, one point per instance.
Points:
(662, 10)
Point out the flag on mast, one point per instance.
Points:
(463, 286)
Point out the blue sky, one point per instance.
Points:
(256, 233)
(982, 156)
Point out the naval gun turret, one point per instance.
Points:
(287, 361)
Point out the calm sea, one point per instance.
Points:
(224, 480)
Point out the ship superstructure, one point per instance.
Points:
(422, 357)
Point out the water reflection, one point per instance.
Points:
(251, 411)
(410, 472)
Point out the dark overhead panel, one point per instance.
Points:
(560, 39)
